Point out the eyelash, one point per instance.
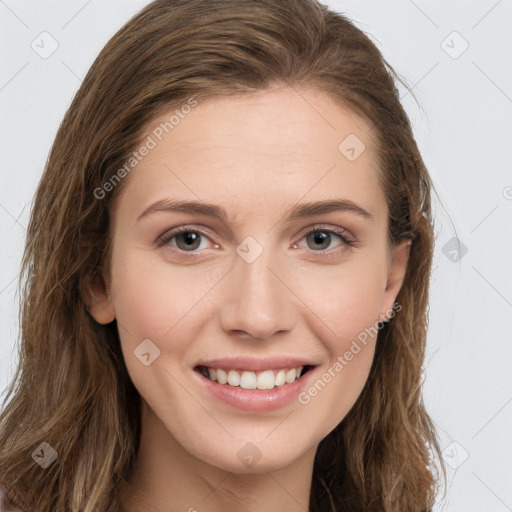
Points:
(347, 241)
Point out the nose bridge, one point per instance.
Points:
(259, 303)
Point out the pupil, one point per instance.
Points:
(322, 237)
(190, 238)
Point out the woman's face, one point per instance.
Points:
(248, 291)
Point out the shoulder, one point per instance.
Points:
(7, 501)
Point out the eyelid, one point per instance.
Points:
(345, 235)
(165, 237)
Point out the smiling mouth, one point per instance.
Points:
(261, 380)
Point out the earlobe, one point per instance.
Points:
(396, 275)
(97, 300)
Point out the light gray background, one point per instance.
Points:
(464, 136)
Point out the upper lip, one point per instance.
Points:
(255, 364)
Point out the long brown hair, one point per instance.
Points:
(71, 388)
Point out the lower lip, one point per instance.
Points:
(256, 400)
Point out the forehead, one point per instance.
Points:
(259, 150)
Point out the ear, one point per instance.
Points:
(97, 300)
(396, 274)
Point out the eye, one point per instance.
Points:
(183, 238)
(188, 239)
(319, 239)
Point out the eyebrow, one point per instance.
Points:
(297, 212)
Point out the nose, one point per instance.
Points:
(259, 300)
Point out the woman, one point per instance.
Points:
(251, 370)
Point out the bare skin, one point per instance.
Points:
(256, 156)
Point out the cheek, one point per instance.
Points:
(160, 302)
(151, 297)
(349, 304)
(349, 298)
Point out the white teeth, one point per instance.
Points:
(280, 380)
(233, 378)
(267, 379)
(222, 378)
(290, 375)
(248, 380)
